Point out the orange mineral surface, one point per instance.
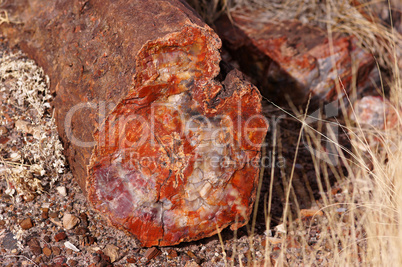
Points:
(178, 157)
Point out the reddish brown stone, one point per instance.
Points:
(91, 240)
(172, 254)
(311, 213)
(152, 253)
(60, 236)
(34, 246)
(47, 251)
(84, 219)
(80, 231)
(193, 256)
(131, 260)
(4, 140)
(45, 214)
(26, 224)
(160, 134)
(56, 251)
(287, 58)
(54, 214)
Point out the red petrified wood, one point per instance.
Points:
(289, 58)
(163, 141)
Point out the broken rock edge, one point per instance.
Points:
(224, 93)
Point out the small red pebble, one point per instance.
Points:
(56, 251)
(60, 236)
(172, 254)
(311, 213)
(131, 260)
(152, 253)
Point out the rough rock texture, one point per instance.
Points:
(164, 142)
(374, 112)
(289, 58)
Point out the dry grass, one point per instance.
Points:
(373, 200)
(367, 230)
(34, 159)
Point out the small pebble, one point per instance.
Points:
(172, 254)
(70, 221)
(69, 245)
(80, 231)
(112, 252)
(53, 214)
(131, 260)
(26, 224)
(45, 215)
(152, 253)
(191, 264)
(91, 240)
(62, 190)
(3, 130)
(34, 246)
(185, 257)
(59, 260)
(84, 219)
(97, 258)
(56, 251)
(47, 251)
(60, 236)
(193, 256)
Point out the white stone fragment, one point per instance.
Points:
(67, 244)
(280, 228)
(62, 190)
(70, 221)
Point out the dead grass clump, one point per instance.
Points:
(362, 223)
(361, 220)
(33, 158)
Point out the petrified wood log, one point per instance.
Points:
(289, 58)
(164, 142)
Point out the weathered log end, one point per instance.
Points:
(177, 138)
(173, 162)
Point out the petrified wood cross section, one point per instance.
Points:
(162, 137)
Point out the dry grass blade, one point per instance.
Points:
(364, 227)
